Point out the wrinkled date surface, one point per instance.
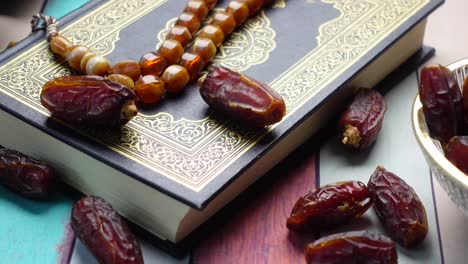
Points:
(358, 247)
(104, 232)
(398, 207)
(456, 152)
(362, 120)
(329, 206)
(25, 175)
(465, 96)
(89, 100)
(241, 97)
(442, 103)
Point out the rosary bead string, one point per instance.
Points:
(178, 61)
(180, 35)
(204, 47)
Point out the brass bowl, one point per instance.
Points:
(452, 180)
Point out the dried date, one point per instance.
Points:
(465, 96)
(89, 100)
(29, 177)
(103, 231)
(358, 247)
(456, 152)
(442, 103)
(398, 208)
(241, 97)
(362, 120)
(329, 206)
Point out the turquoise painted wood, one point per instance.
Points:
(33, 231)
(59, 8)
(37, 231)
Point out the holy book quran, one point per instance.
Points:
(177, 163)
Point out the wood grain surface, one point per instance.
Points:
(254, 231)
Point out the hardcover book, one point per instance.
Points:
(177, 163)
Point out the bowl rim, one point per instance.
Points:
(426, 142)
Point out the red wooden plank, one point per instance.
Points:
(256, 233)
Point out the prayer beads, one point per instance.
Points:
(174, 64)
(171, 50)
(213, 32)
(193, 63)
(175, 78)
(150, 89)
(129, 68)
(152, 63)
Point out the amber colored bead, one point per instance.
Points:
(98, 65)
(122, 79)
(60, 45)
(198, 8)
(149, 89)
(225, 21)
(213, 32)
(190, 21)
(171, 50)
(85, 60)
(76, 54)
(175, 78)
(129, 68)
(205, 48)
(210, 3)
(254, 6)
(239, 10)
(180, 34)
(152, 64)
(193, 63)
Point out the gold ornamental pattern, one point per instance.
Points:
(279, 4)
(343, 41)
(194, 152)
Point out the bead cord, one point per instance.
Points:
(51, 24)
(174, 65)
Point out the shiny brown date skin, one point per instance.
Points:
(29, 177)
(465, 96)
(103, 231)
(88, 100)
(329, 206)
(442, 103)
(357, 247)
(363, 118)
(398, 208)
(242, 97)
(456, 151)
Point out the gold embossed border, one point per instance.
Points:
(211, 147)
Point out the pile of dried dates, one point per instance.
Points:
(396, 204)
(445, 108)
